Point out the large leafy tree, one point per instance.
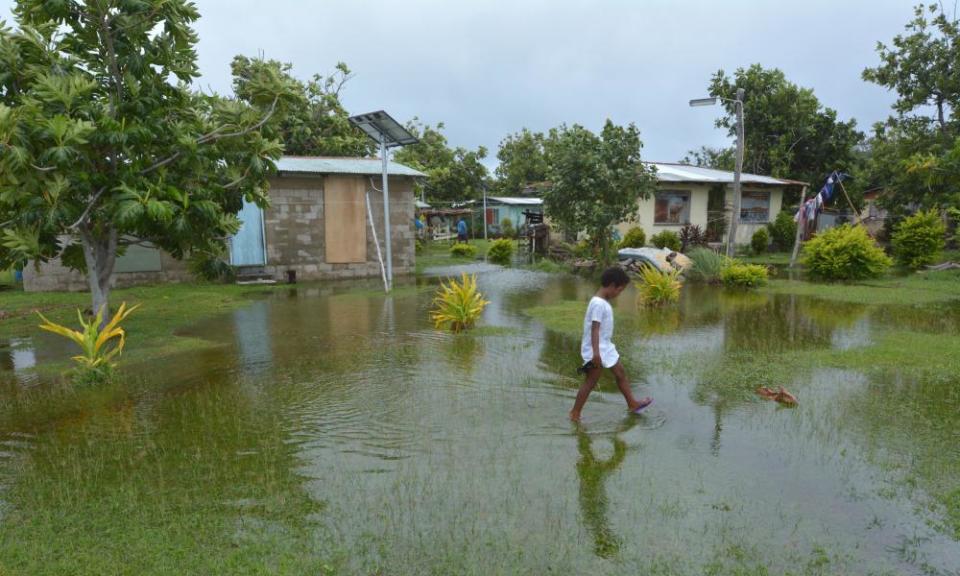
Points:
(787, 132)
(596, 181)
(315, 123)
(523, 161)
(453, 174)
(709, 157)
(915, 154)
(103, 144)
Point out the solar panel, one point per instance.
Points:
(375, 124)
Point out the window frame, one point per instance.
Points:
(685, 214)
(769, 198)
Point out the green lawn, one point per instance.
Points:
(435, 254)
(768, 258)
(164, 309)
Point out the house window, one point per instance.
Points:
(755, 207)
(672, 208)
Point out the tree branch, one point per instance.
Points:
(214, 136)
(89, 207)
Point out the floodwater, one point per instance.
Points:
(335, 429)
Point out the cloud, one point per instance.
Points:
(490, 68)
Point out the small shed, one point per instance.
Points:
(317, 227)
(318, 223)
(512, 207)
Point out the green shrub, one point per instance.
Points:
(844, 253)
(507, 229)
(760, 241)
(666, 239)
(706, 266)
(634, 238)
(918, 240)
(783, 231)
(658, 288)
(584, 249)
(462, 250)
(500, 251)
(736, 274)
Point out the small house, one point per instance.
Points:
(500, 208)
(694, 195)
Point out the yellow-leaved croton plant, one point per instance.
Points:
(99, 347)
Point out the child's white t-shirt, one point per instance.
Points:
(599, 310)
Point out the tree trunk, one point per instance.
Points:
(940, 118)
(100, 254)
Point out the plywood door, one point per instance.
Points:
(344, 219)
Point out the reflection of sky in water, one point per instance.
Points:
(856, 336)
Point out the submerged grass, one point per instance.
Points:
(208, 491)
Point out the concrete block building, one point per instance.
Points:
(317, 227)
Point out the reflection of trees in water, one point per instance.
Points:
(787, 322)
(560, 353)
(463, 351)
(593, 474)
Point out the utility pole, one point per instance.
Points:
(484, 210)
(735, 216)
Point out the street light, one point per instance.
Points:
(735, 217)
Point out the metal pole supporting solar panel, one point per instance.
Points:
(386, 211)
(386, 132)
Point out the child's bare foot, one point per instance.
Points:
(637, 407)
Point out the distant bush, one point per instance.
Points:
(736, 274)
(500, 251)
(760, 241)
(634, 238)
(919, 239)
(666, 239)
(706, 266)
(692, 236)
(783, 231)
(583, 249)
(658, 288)
(507, 229)
(462, 250)
(418, 246)
(844, 253)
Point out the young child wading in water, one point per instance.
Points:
(596, 348)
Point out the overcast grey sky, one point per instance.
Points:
(489, 68)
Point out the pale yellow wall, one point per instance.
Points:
(745, 230)
(699, 193)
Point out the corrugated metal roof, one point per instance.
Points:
(330, 165)
(517, 200)
(667, 172)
